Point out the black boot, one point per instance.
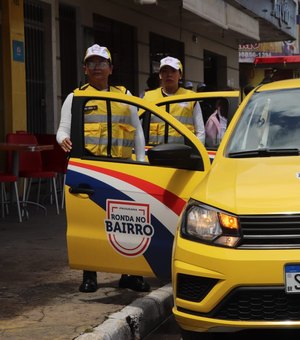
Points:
(89, 282)
(133, 282)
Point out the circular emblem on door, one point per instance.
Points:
(128, 227)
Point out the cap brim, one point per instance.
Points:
(96, 55)
(177, 69)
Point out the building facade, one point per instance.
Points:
(44, 41)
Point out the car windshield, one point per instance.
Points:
(269, 125)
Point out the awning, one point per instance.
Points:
(277, 61)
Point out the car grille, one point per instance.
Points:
(270, 231)
(256, 304)
(193, 288)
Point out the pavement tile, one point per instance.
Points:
(39, 297)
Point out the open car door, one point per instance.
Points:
(122, 214)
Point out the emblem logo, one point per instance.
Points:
(128, 227)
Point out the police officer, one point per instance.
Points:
(98, 67)
(190, 114)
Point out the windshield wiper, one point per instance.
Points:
(265, 152)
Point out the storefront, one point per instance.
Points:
(279, 67)
(53, 35)
(266, 65)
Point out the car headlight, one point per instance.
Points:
(207, 224)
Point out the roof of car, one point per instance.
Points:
(280, 84)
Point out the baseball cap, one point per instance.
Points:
(99, 51)
(170, 61)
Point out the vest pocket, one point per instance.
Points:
(123, 140)
(92, 133)
(154, 132)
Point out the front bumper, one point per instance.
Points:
(222, 289)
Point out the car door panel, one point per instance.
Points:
(159, 198)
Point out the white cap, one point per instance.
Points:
(99, 51)
(170, 61)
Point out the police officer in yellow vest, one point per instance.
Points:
(188, 113)
(126, 133)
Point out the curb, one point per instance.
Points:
(136, 320)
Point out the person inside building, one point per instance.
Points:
(190, 114)
(216, 124)
(188, 85)
(153, 82)
(201, 87)
(97, 68)
(205, 104)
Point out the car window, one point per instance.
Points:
(108, 129)
(270, 120)
(101, 140)
(215, 127)
(157, 131)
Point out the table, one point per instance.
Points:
(16, 148)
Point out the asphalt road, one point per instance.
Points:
(169, 330)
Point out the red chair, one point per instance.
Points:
(55, 160)
(31, 167)
(4, 179)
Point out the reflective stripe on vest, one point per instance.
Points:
(183, 112)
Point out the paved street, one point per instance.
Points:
(39, 297)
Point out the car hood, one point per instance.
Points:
(253, 186)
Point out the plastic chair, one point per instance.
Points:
(55, 160)
(31, 167)
(4, 179)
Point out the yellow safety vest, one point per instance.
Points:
(181, 111)
(108, 130)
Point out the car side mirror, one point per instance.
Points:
(174, 156)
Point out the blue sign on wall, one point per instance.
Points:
(18, 51)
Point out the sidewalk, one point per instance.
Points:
(39, 297)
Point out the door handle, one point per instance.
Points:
(81, 190)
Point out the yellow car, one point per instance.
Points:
(122, 214)
(236, 254)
